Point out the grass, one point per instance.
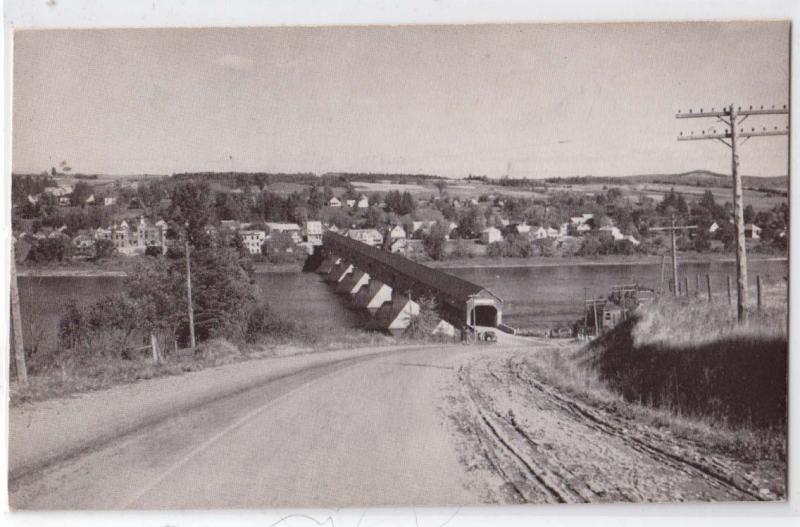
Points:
(691, 369)
(71, 374)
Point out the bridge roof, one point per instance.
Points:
(435, 279)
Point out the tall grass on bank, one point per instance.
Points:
(691, 368)
(694, 359)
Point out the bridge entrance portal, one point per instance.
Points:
(485, 316)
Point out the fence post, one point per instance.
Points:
(708, 286)
(154, 346)
(686, 285)
(758, 289)
(730, 300)
(697, 284)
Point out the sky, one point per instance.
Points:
(524, 100)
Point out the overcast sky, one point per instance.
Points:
(546, 100)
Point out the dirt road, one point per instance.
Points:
(433, 426)
(526, 442)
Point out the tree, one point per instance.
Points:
(103, 249)
(80, 193)
(189, 211)
(435, 240)
(471, 223)
(440, 185)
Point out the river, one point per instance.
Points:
(543, 296)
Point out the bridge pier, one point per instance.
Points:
(328, 263)
(339, 271)
(396, 314)
(373, 296)
(353, 282)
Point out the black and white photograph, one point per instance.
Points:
(413, 265)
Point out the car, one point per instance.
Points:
(489, 336)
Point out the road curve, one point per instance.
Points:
(362, 432)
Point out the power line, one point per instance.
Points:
(734, 136)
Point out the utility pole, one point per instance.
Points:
(189, 294)
(672, 228)
(16, 320)
(732, 117)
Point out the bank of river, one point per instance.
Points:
(534, 296)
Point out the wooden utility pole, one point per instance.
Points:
(672, 228)
(16, 321)
(189, 294)
(733, 117)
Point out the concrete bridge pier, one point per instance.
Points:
(353, 282)
(373, 296)
(328, 263)
(395, 315)
(339, 272)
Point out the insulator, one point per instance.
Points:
(751, 107)
(784, 106)
(701, 110)
(762, 106)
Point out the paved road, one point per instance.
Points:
(363, 432)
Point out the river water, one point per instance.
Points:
(533, 297)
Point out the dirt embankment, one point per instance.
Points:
(525, 441)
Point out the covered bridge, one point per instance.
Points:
(459, 302)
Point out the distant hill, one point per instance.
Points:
(698, 178)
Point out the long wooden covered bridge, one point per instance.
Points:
(365, 270)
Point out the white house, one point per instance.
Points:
(752, 231)
(292, 229)
(314, 232)
(253, 240)
(368, 236)
(109, 200)
(335, 202)
(553, 233)
(539, 233)
(613, 231)
(90, 199)
(397, 232)
(523, 228)
(583, 227)
(351, 203)
(714, 227)
(363, 202)
(64, 201)
(582, 219)
(491, 235)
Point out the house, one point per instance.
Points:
(504, 222)
(582, 219)
(90, 200)
(714, 227)
(83, 245)
(523, 228)
(253, 240)
(402, 245)
(539, 233)
(444, 328)
(351, 203)
(396, 232)
(292, 229)
(151, 235)
(57, 192)
(102, 234)
(752, 231)
(121, 237)
(231, 225)
(33, 200)
(367, 236)
(363, 202)
(64, 201)
(450, 228)
(563, 230)
(583, 227)
(109, 200)
(313, 232)
(553, 233)
(335, 202)
(491, 235)
(613, 231)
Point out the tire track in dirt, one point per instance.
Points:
(546, 447)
